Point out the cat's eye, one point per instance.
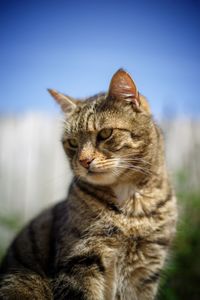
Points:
(73, 142)
(105, 133)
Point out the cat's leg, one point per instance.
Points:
(26, 286)
(86, 276)
(149, 290)
(146, 278)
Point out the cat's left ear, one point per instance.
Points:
(123, 88)
(66, 103)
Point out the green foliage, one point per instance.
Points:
(182, 278)
(9, 225)
(10, 222)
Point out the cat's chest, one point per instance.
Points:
(128, 261)
(133, 257)
(135, 248)
(135, 221)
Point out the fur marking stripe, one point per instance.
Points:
(163, 202)
(85, 261)
(34, 245)
(88, 120)
(18, 257)
(154, 277)
(94, 195)
(52, 243)
(160, 204)
(160, 242)
(68, 292)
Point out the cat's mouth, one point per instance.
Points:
(99, 174)
(95, 169)
(91, 172)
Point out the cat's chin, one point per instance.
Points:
(103, 178)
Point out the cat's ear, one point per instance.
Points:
(123, 88)
(66, 103)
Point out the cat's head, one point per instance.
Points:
(109, 137)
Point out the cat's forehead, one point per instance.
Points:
(91, 117)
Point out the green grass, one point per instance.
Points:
(182, 277)
(10, 225)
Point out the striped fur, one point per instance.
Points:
(110, 238)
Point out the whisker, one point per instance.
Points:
(137, 168)
(77, 179)
(130, 157)
(137, 159)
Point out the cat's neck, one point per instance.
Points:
(124, 191)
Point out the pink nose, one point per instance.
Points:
(86, 162)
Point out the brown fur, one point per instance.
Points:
(110, 238)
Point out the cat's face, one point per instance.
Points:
(107, 138)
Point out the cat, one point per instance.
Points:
(109, 240)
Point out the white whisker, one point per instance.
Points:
(136, 168)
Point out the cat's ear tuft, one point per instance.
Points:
(123, 88)
(66, 103)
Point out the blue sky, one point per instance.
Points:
(76, 46)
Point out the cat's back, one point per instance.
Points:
(34, 246)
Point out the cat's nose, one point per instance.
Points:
(86, 162)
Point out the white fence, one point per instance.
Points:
(33, 168)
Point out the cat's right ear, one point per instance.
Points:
(67, 104)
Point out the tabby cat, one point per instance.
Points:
(110, 238)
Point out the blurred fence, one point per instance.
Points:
(182, 144)
(34, 171)
(33, 168)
